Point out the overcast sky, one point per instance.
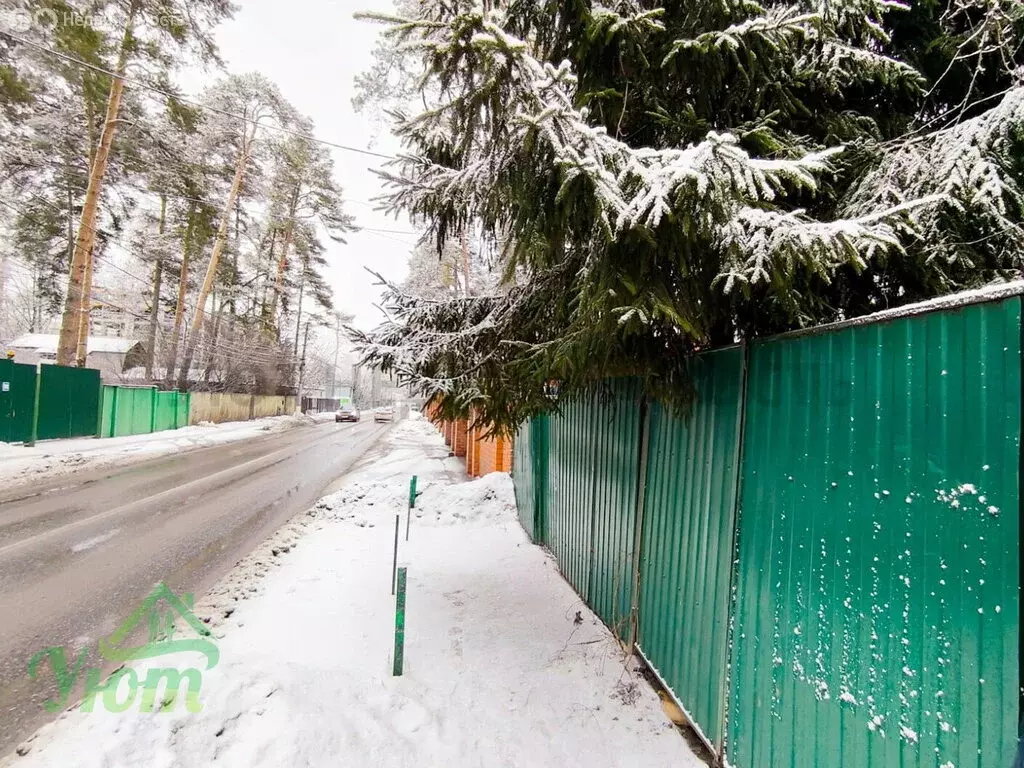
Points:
(313, 49)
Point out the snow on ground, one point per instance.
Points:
(504, 664)
(51, 458)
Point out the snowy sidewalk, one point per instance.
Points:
(52, 458)
(499, 671)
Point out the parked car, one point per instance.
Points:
(347, 413)
(387, 413)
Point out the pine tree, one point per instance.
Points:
(669, 179)
(145, 29)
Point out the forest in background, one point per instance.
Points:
(205, 236)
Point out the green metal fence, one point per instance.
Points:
(589, 517)
(69, 402)
(877, 610)
(867, 480)
(614, 463)
(141, 410)
(73, 403)
(687, 541)
(524, 477)
(17, 401)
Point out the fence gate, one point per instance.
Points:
(17, 401)
(69, 402)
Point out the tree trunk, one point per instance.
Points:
(211, 359)
(154, 317)
(82, 342)
(298, 312)
(218, 249)
(283, 261)
(266, 282)
(179, 308)
(77, 300)
(465, 264)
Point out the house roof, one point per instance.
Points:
(47, 342)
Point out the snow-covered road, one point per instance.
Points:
(504, 664)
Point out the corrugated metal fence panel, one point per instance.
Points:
(613, 469)
(133, 411)
(165, 411)
(69, 402)
(523, 479)
(686, 544)
(107, 401)
(17, 401)
(569, 515)
(876, 618)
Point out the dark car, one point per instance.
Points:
(347, 413)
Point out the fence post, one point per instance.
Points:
(99, 419)
(35, 408)
(113, 412)
(394, 562)
(539, 443)
(638, 530)
(152, 410)
(399, 662)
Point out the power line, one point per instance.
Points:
(390, 231)
(78, 62)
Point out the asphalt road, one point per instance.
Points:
(80, 552)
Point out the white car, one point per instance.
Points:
(386, 413)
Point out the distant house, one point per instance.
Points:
(112, 357)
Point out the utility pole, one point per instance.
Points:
(302, 363)
(337, 348)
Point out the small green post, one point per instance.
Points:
(35, 408)
(394, 562)
(400, 625)
(412, 503)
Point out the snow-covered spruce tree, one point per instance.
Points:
(666, 179)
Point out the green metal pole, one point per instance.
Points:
(394, 562)
(400, 625)
(35, 409)
(412, 503)
(152, 411)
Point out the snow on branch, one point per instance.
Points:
(504, 111)
(627, 15)
(968, 166)
(776, 29)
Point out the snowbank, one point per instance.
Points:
(504, 664)
(58, 457)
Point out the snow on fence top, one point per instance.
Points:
(993, 292)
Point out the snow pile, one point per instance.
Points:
(486, 499)
(490, 498)
(504, 665)
(53, 458)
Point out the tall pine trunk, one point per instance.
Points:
(218, 249)
(82, 342)
(77, 301)
(154, 317)
(282, 263)
(298, 321)
(179, 307)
